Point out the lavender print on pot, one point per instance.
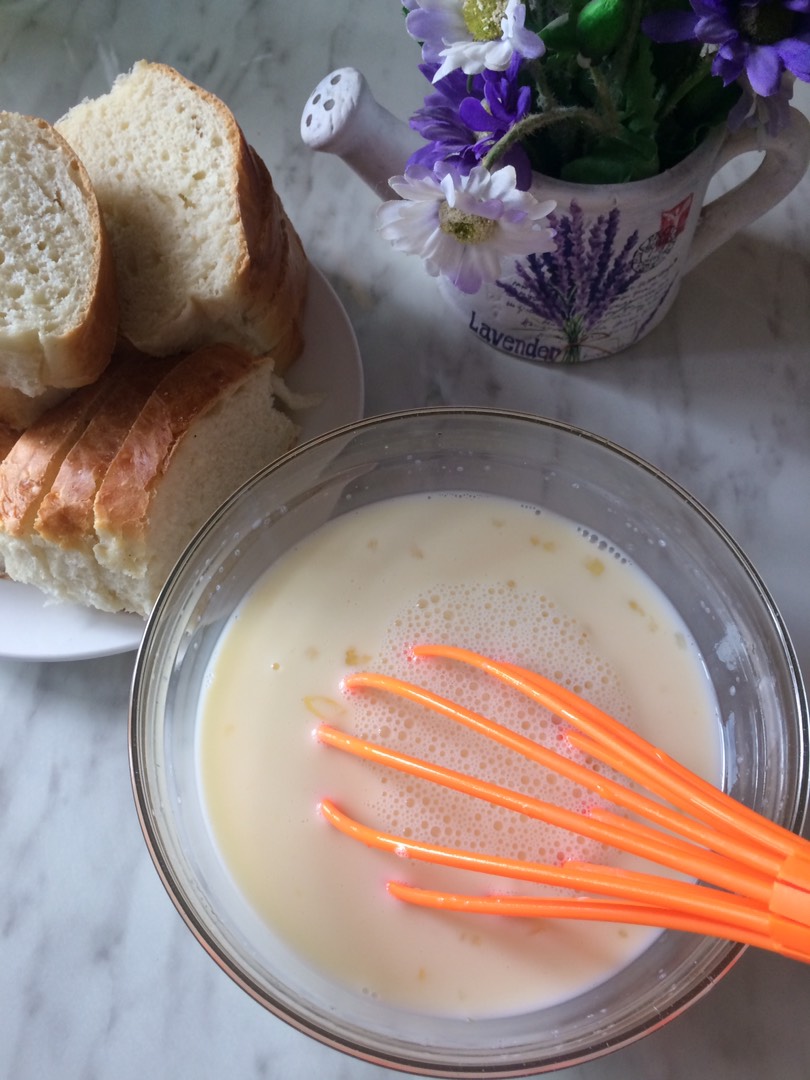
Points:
(609, 276)
(597, 282)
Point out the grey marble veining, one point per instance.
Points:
(99, 978)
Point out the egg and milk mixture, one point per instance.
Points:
(485, 573)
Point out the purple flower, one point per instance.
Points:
(771, 113)
(760, 39)
(440, 124)
(466, 115)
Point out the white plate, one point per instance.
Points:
(31, 628)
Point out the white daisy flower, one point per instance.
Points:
(472, 34)
(464, 227)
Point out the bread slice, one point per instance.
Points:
(207, 428)
(59, 546)
(203, 248)
(28, 469)
(58, 304)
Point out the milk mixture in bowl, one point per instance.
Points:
(477, 571)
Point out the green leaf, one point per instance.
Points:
(594, 169)
(708, 102)
(674, 65)
(614, 161)
(705, 107)
(560, 34)
(640, 92)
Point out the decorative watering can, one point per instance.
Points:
(620, 250)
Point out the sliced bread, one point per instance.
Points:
(60, 544)
(204, 251)
(28, 469)
(58, 305)
(31, 464)
(124, 480)
(207, 428)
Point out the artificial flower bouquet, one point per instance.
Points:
(603, 91)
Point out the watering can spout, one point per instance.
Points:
(342, 117)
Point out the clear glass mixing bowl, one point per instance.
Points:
(635, 508)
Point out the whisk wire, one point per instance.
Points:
(632, 754)
(633, 837)
(755, 874)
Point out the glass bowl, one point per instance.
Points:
(605, 489)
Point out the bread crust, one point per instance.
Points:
(277, 269)
(66, 516)
(30, 465)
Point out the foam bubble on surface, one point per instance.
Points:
(503, 622)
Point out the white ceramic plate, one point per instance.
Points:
(31, 628)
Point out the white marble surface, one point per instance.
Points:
(99, 979)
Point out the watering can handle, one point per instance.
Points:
(342, 117)
(786, 159)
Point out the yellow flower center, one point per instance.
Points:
(466, 228)
(483, 18)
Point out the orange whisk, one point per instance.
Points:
(754, 875)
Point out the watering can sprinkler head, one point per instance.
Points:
(342, 117)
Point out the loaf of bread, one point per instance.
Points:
(99, 498)
(152, 291)
(203, 248)
(58, 304)
(33, 460)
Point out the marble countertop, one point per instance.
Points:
(99, 978)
